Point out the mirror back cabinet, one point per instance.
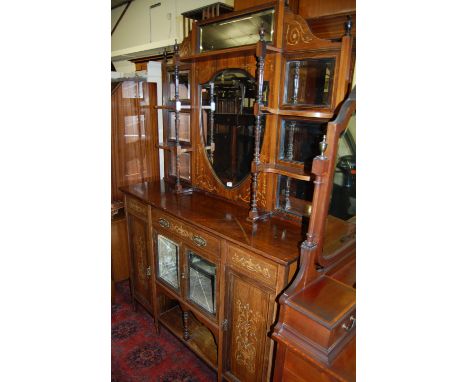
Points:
(216, 242)
(304, 81)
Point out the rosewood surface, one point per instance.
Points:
(275, 239)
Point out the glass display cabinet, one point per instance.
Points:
(187, 272)
(186, 284)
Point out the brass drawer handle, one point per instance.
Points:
(198, 240)
(164, 223)
(350, 325)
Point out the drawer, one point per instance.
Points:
(136, 207)
(252, 265)
(196, 237)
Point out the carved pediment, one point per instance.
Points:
(298, 36)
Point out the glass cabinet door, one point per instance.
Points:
(202, 282)
(168, 261)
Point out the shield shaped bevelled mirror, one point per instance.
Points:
(228, 124)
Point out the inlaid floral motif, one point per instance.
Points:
(246, 337)
(140, 256)
(247, 263)
(296, 33)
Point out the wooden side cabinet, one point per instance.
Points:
(192, 268)
(119, 249)
(140, 259)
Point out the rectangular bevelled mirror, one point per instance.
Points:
(309, 82)
(202, 282)
(239, 31)
(184, 86)
(300, 140)
(168, 261)
(184, 127)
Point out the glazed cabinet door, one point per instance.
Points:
(140, 263)
(249, 310)
(167, 261)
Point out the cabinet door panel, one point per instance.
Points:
(167, 260)
(249, 309)
(140, 264)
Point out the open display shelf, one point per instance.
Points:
(201, 341)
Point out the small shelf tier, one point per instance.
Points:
(295, 173)
(325, 115)
(201, 341)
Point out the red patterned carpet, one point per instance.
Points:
(140, 355)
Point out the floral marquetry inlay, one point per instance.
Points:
(246, 338)
(297, 33)
(249, 264)
(140, 256)
(201, 180)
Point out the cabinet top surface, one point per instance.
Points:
(273, 238)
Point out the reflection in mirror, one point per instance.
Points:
(202, 282)
(300, 141)
(228, 131)
(309, 81)
(239, 31)
(168, 261)
(343, 202)
(294, 196)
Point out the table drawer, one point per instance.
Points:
(137, 208)
(252, 265)
(196, 237)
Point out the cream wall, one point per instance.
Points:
(143, 28)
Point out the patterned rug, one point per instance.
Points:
(140, 355)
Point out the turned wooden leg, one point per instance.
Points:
(186, 331)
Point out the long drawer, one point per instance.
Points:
(194, 236)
